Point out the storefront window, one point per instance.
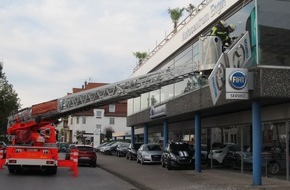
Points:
(167, 92)
(274, 32)
(154, 97)
(137, 104)
(145, 101)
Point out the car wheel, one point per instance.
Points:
(168, 165)
(273, 168)
(142, 161)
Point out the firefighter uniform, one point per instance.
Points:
(223, 31)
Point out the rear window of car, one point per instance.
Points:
(84, 148)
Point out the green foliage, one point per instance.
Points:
(141, 56)
(175, 15)
(109, 132)
(9, 100)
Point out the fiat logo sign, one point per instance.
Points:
(238, 80)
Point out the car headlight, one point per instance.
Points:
(146, 156)
(173, 157)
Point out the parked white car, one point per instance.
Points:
(149, 153)
(218, 153)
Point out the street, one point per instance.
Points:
(89, 179)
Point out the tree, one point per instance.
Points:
(175, 15)
(109, 132)
(9, 101)
(141, 56)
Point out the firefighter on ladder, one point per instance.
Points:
(222, 30)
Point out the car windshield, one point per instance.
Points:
(179, 147)
(136, 146)
(153, 147)
(84, 148)
(235, 148)
(124, 145)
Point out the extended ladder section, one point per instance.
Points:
(125, 89)
(240, 52)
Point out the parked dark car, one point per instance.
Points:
(103, 147)
(132, 150)
(121, 149)
(86, 154)
(97, 148)
(177, 155)
(111, 149)
(149, 153)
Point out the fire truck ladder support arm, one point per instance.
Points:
(125, 89)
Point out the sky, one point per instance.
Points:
(49, 47)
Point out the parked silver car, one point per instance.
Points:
(149, 153)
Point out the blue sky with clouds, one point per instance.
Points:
(49, 47)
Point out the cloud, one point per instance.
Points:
(51, 46)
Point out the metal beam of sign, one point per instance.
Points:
(125, 89)
(216, 79)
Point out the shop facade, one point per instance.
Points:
(186, 111)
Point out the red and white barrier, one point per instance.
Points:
(72, 163)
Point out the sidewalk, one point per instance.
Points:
(154, 177)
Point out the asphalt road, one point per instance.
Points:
(89, 179)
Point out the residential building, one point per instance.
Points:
(89, 126)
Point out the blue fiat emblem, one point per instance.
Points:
(238, 80)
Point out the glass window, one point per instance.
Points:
(167, 92)
(78, 120)
(184, 57)
(112, 107)
(98, 114)
(145, 103)
(274, 32)
(137, 104)
(130, 106)
(154, 97)
(112, 121)
(180, 87)
(83, 120)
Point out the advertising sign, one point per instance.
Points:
(240, 54)
(216, 79)
(157, 111)
(237, 83)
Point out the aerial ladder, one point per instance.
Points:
(32, 130)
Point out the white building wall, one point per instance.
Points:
(120, 126)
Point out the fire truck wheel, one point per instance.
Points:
(51, 170)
